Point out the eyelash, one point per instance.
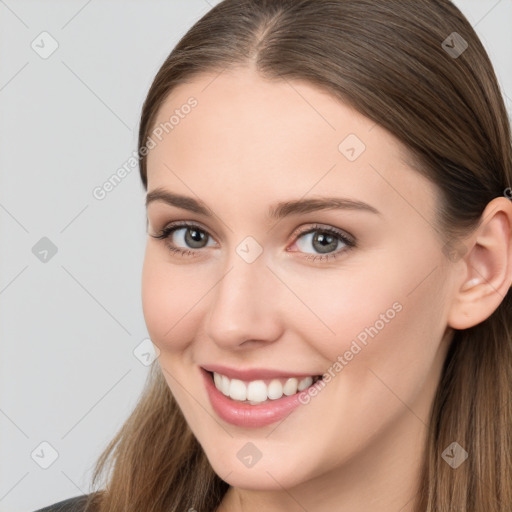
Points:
(349, 242)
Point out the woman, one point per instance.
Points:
(328, 268)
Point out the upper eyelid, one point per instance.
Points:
(186, 224)
(297, 232)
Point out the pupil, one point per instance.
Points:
(194, 236)
(326, 241)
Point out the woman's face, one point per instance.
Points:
(275, 297)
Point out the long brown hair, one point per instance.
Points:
(391, 61)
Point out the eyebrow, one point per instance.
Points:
(277, 211)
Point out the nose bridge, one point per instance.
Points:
(243, 307)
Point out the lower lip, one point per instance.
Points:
(246, 415)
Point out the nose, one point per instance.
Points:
(244, 307)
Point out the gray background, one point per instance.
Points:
(71, 321)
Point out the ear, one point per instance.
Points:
(486, 273)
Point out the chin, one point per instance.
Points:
(273, 474)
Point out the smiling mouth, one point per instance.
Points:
(256, 392)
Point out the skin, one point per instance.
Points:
(250, 143)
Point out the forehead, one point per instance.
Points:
(243, 131)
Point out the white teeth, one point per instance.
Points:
(256, 391)
(275, 390)
(237, 390)
(290, 386)
(224, 385)
(305, 383)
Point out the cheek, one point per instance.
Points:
(383, 318)
(345, 305)
(169, 294)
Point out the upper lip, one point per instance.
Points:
(249, 374)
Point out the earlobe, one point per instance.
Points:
(487, 274)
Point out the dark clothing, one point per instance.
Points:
(75, 504)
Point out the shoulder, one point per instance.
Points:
(75, 504)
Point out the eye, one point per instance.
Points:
(187, 239)
(324, 240)
(191, 236)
